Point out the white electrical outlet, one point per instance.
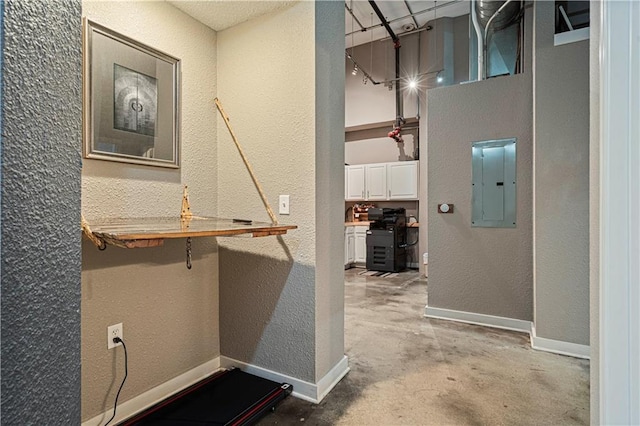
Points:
(284, 204)
(114, 331)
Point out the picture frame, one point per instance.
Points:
(131, 100)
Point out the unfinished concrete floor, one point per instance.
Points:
(409, 370)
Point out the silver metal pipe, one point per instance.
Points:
(354, 18)
(480, 40)
(406, 33)
(415, 21)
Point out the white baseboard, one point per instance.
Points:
(479, 319)
(301, 389)
(538, 343)
(157, 394)
(331, 379)
(559, 347)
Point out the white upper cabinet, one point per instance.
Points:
(355, 186)
(382, 181)
(403, 180)
(376, 181)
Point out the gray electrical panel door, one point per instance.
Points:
(494, 183)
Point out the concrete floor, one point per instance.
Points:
(409, 370)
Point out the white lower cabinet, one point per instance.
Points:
(361, 244)
(349, 246)
(355, 245)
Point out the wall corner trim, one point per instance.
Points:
(559, 347)
(156, 394)
(479, 319)
(538, 343)
(304, 390)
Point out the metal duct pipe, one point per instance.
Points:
(486, 9)
(396, 46)
(479, 40)
(484, 13)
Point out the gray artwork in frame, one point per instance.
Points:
(131, 100)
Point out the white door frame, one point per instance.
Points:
(619, 352)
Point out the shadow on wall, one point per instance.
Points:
(172, 251)
(267, 311)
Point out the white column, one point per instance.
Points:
(620, 213)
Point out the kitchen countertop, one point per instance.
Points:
(366, 223)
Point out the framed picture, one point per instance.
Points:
(131, 100)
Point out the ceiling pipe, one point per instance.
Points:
(355, 18)
(396, 46)
(415, 21)
(407, 33)
(383, 20)
(430, 9)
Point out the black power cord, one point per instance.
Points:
(115, 404)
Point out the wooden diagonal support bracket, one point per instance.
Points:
(274, 220)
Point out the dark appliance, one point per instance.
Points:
(230, 397)
(387, 240)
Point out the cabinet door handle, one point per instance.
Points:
(367, 194)
(363, 194)
(389, 194)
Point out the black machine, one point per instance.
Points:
(387, 240)
(230, 398)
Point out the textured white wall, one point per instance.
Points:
(170, 314)
(480, 270)
(369, 103)
(561, 239)
(40, 139)
(266, 81)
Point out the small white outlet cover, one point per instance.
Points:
(114, 331)
(284, 204)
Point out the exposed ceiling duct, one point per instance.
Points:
(485, 9)
(489, 15)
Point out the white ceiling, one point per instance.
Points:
(222, 14)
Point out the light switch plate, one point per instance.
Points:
(284, 204)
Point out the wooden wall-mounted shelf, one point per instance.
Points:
(151, 232)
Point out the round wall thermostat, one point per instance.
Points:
(445, 208)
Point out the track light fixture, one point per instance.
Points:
(355, 70)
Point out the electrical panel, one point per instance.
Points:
(493, 200)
